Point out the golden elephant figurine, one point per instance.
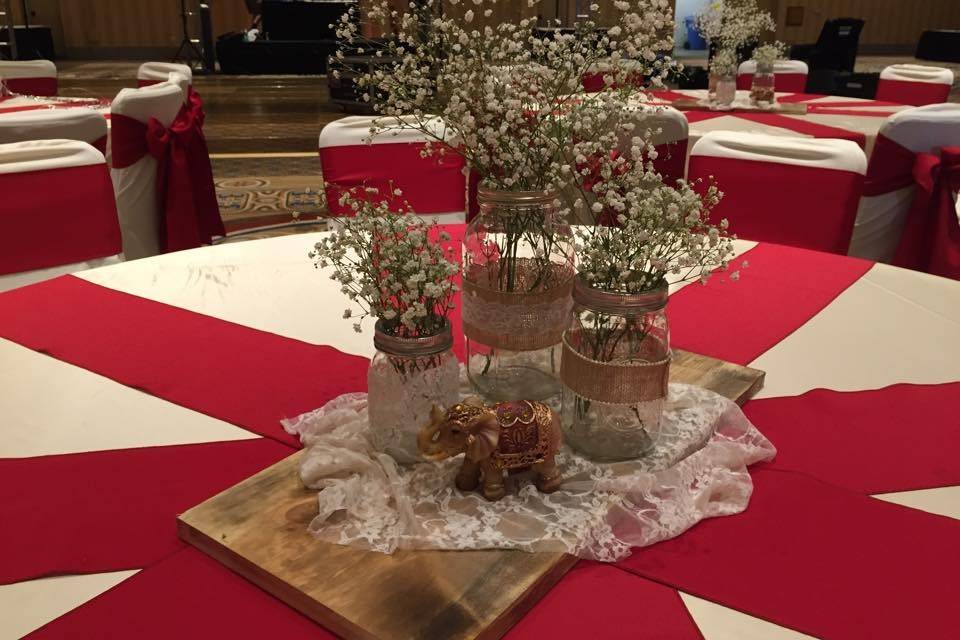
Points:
(502, 437)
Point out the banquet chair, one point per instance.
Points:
(84, 125)
(434, 186)
(796, 191)
(889, 188)
(135, 178)
(915, 84)
(592, 79)
(155, 72)
(788, 75)
(29, 77)
(669, 133)
(58, 214)
(836, 47)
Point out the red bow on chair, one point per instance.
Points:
(185, 191)
(204, 191)
(931, 234)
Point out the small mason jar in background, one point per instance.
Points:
(406, 378)
(615, 371)
(762, 91)
(518, 272)
(726, 89)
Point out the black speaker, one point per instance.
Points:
(302, 19)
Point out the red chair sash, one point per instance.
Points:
(434, 184)
(205, 192)
(100, 144)
(913, 93)
(890, 169)
(32, 86)
(808, 207)
(671, 160)
(44, 227)
(931, 234)
(183, 224)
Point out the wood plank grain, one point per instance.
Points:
(258, 528)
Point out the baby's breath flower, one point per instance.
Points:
(385, 263)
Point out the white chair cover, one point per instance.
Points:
(75, 215)
(797, 191)
(135, 186)
(883, 209)
(29, 77)
(434, 186)
(154, 72)
(182, 81)
(915, 84)
(46, 124)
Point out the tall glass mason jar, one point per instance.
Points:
(518, 268)
(762, 91)
(726, 89)
(406, 378)
(712, 86)
(616, 367)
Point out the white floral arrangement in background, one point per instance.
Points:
(731, 24)
(391, 264)
(511, 99)
(767, 54)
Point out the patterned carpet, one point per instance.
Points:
(258, 201)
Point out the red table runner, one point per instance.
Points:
(905, 435)
(782, 289)
(819, 559)
(112, 510)
(246, 377)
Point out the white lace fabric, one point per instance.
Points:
(698, 470)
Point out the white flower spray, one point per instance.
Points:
(392, 265)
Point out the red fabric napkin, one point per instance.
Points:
(895, 439)
(112, 510)
(820, 559)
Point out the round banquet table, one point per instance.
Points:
(132, 392)
(19, 104)
(854, 119)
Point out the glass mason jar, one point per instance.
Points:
(406, 377)
(517, 277)
(726, 89)
(616, 367)
(712, 86)
(762, 92)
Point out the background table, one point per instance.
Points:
(827, 117)
(130, 393)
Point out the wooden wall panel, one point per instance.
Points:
(139, 24)
(888, 22)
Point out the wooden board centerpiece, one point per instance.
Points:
(258, 528)
(787, 108)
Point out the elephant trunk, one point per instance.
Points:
(428, 443)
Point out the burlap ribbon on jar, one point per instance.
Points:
(622, 382)
(519, 320)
